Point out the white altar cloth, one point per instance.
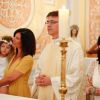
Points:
(11, 97)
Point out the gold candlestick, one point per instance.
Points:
(63, 88)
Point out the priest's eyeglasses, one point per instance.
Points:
(51, 22)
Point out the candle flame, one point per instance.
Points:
(63, 7)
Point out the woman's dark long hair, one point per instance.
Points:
(98, 53)
(28, 41)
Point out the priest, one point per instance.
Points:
(48, 72)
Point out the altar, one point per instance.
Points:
(11, 97)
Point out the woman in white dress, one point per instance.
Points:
(93, 83)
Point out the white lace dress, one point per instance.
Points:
(96, 79)
(3, 65)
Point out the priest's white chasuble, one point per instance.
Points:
(50, 64)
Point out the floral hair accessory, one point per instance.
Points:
(5, 41)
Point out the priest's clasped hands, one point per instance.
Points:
(43, 80)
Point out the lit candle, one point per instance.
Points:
(63, 32)
(63, 23)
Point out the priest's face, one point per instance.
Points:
(52, 26)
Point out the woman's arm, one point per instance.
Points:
(93, 49)
(10, 78)
(97, 92)
(24, 66)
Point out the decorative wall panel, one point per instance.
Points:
(94, 21)
(15, 13)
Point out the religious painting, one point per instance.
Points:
(93, 22)
(15, 13)
(42, 40)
